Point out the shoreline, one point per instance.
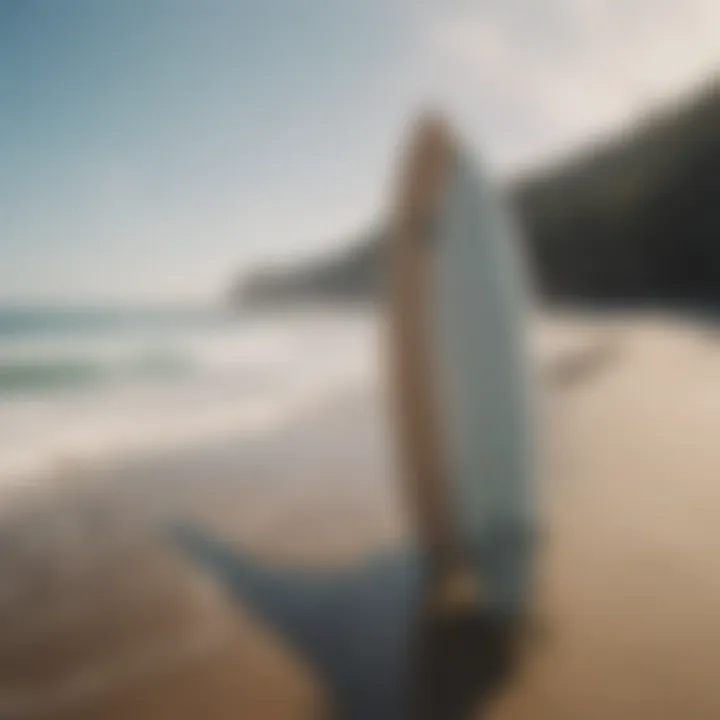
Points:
(628, 577)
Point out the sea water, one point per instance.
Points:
(84, 385)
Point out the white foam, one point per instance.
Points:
(245, 379)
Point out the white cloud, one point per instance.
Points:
(536, 77)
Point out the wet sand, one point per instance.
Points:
(99, 618)
(103, 618)
(629, 583)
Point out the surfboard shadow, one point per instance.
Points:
(352, 626)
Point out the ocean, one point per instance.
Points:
(88, 385)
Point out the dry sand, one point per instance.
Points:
(99, 618)
(630, 583)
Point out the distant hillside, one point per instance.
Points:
(353, 274)
(636, 219)
(639, 218)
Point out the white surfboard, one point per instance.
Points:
(458, 315)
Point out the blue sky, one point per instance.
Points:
(149, 149)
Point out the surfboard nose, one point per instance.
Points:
(422, 170)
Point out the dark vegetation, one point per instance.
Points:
(634, 220)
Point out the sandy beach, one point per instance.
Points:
(100, 617)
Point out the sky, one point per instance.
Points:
(150, 150)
